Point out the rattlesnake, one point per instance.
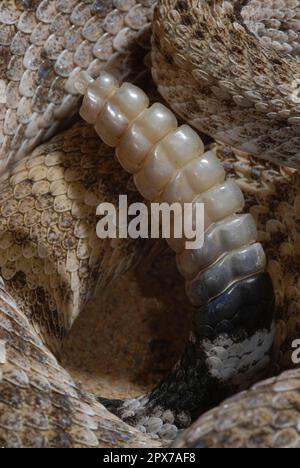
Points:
(50, 256)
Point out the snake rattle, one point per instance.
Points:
(226, 282)
(230, 69)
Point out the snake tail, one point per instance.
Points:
(226, 282)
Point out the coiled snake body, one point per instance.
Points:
(242, 68)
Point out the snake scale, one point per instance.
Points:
(241, 59)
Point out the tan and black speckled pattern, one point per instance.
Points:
(50, 255)
(41, 44)
(229, 83)
(266, 416)
(273, 197)
(53, 176)
(40, 404)
(50, 262)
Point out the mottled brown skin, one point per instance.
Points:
(40, 404)
(224, 80)
(264, 417)
(43, 217)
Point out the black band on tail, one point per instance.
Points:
(229, 349)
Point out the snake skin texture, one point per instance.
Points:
(41, 44)
(50, 262)
(228, 82)
(266, 416)
(50, 259)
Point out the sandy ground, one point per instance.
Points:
(125, 342)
